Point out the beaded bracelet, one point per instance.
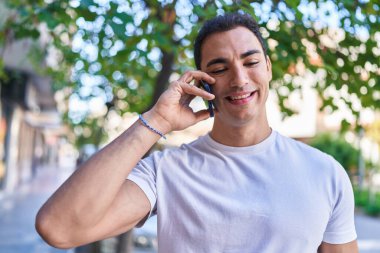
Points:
(145, 123)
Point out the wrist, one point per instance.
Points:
(157, 121)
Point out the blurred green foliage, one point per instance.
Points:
(362, 200)
(135, 46)
(361, 197)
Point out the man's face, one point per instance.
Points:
(242, 72)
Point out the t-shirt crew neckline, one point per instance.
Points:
(265, 144)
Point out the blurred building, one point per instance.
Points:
(29, 120)
(27, 115)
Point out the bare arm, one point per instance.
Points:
(97, 202)
(351, 247)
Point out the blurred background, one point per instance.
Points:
(74, 74)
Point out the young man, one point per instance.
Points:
(241, 188)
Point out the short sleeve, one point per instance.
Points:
(144, 175)
(341, 226)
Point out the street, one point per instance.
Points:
(18, 210)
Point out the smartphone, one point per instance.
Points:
(211, 105)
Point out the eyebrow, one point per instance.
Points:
(224, 60)
(248, 53)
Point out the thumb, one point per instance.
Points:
(202, 115)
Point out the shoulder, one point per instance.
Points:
(305, 153)
(197, 146)
(297, 146)
(320, 169)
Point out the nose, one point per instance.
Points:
(239, 76)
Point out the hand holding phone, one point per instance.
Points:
(211, 105)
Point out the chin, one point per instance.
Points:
(238, 120)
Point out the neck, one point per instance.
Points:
(240, 135)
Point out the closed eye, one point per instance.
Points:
(250, 64)
(218, 71)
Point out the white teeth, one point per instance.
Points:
(241, 97)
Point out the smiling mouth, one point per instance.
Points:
(241, 97)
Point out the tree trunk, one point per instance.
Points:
(125, 242)
(163, 77)
(89, 248)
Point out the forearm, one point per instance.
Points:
(89, 192)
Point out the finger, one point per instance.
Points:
(196, 75)
(196, 91)
(188, 99)
(185, 100)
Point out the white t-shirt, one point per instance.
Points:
(277, 196)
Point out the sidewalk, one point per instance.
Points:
(18, 211)
(368, 230)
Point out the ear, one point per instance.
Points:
(269, 67)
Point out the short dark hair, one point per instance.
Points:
(225, 23)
